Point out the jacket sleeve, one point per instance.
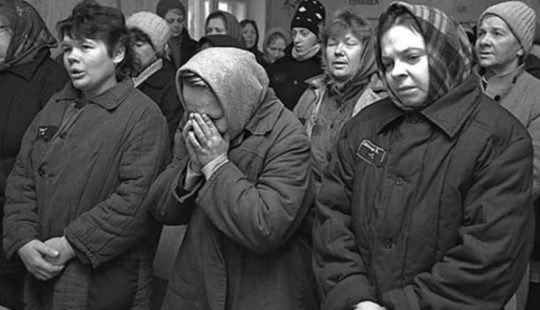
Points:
(485, 268)
(262, 216)
(121, 221)
(534, 130)
(168, 201)
(338, 265)
(21, 219)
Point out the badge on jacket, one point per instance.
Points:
(46, 132)
(371, 153)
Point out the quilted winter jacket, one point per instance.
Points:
(243, 248)
(429, 209)
(85, 178)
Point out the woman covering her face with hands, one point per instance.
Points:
(240, 179)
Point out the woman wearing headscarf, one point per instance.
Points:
(349, 84)
(505, 35)
(302, 59)
(73, 210)
(426, 202)
(154, 73)
(221, 22)
(181, 47)
(28, 78)
(250, 32)
(240, 181)
(275, 42)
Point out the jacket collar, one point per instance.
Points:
(499, 85)
(449, 113)
(109, 100)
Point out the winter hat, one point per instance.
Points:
(153, 26)
(165, 5)
(520, 18)
(310, 14)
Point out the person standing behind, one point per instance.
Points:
(250, 32)
(274, 45)
(426, 202)
(302, 58)
(28, 78)
(220, 22)
(240, 181)
(73, 210)
(181, 46)
(155, 74)
(349, 84)
(505, 35)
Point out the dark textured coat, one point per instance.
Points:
(243, 249)
(427, 210)
(86, 180)
(288, 76)
(24, 90)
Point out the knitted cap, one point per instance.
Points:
(310, 14)
(165, 5)
(520, 18)
(153, 26)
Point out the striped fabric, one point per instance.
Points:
(449, 51)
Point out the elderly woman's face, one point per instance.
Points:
(201, 100)
(405, 60)
(5, 40)
(275, 50)
(145, 53)
(89, 65)
(344, 56)
(497, 48)
(216, 26)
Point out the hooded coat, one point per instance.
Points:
(243, 248)
(428, 208)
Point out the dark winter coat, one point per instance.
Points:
(85, 178)
(24, 90)
(288, 76)
(428, 209)
(180, 54)
(161, 88)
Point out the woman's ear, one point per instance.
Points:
(520, 52)
(119, 54)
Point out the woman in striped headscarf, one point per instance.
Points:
(426, 201)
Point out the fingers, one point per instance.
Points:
(47, 250)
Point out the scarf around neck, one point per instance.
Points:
(307, 54)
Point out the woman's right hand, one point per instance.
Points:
(33, 255)
(187, 134)
(368, 305)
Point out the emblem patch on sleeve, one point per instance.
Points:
(371, 153)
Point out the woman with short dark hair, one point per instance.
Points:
(73, 210)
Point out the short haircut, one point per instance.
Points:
(90, 20)
(345, 20)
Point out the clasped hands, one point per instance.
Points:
(204, 143)
(45, 260)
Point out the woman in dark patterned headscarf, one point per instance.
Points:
(426, 202)
(28, 78)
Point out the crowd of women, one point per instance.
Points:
(342, 167)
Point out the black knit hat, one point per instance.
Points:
(165, 5)
(310, 14)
